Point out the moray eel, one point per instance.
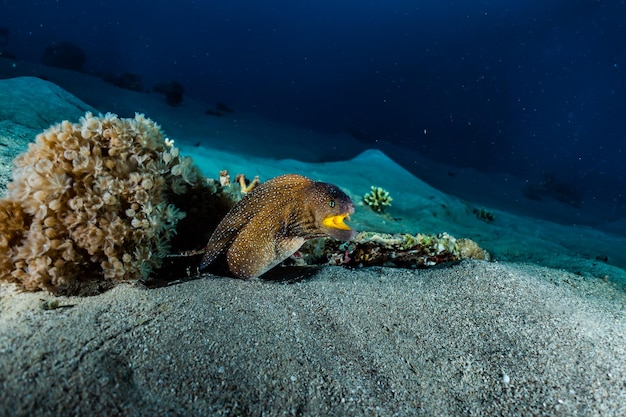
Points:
(273, 220)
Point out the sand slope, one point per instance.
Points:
(476, 338)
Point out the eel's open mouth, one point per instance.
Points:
(337, 222)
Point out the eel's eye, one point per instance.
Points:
(331, 203)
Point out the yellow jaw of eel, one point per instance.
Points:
(337, 222)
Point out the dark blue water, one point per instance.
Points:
(535, 88)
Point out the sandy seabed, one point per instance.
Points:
(475, 338)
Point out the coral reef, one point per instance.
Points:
(377, 199)
(92, 202)
(396, 250)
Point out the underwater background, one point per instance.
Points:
(481, 144)
(531, 89)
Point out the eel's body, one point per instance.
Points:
(272, 221)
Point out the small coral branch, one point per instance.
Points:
(245, 187)
(224, 178)
(377, 199)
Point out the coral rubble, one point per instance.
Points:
(402, 250)
(92, 202)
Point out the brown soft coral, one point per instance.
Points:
(92, 201)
